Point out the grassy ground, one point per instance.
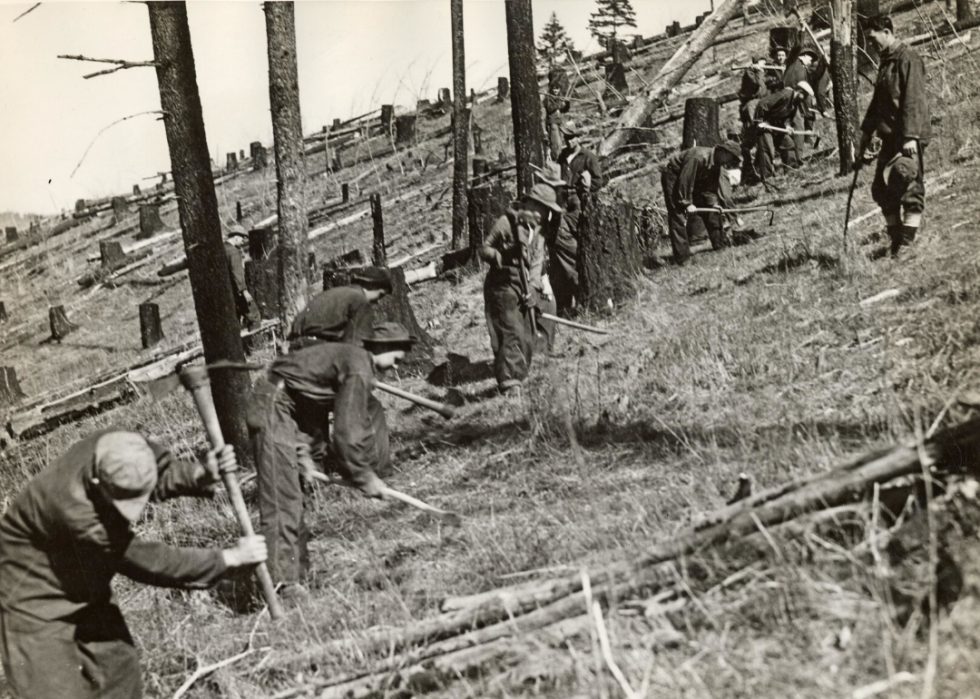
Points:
(759, 359)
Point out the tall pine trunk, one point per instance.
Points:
(524, 98)
(843, 73)
(287, 132)
(460, 125)
(964, 13)
(198, 207)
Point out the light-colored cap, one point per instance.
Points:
(126, 471)
(805, 87)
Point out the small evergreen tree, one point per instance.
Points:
(554, 42)
(605, 22)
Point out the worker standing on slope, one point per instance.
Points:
(245, 306)
(343, 313)
(580, 168)
(780, 110)
(899, 114)
(64, 538)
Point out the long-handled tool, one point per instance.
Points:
(195, 379)
(859, 163)
(780, 129)
(444, 409)
(744, 210)
(573, 324)
(388, 492)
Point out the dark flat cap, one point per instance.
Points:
(388, 334)
(731, 148)
(372, 277)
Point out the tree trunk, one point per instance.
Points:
(111, 254)
(151, 330)
(610, 255)
(843, 67)
(405, 129)
(10, 390)
(119, 208)
(964, 13)
(261, 243)
(11, 232)
(150, 222)
(209, 275)
(387, 119)
(700, 122)
(61, 327)
(379, 255)
(461, 124)
(287, 131)
(525, 100)
(669, 75)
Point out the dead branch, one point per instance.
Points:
(120, 64)
(27, 11)
(117, 121)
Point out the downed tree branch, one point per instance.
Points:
(120, 64)
(208, 669)
(106, 128)
(27, 11)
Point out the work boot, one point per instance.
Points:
(895, 234)
(908, 234)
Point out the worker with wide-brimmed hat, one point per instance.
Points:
(695, 179)
(514, 249)
(561, 239)
(64, 538)
(342, 313)
(287, 418)
(580, 167)
(245, 306)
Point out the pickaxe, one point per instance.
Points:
(746, 210)
(572, 324)
(791, 132)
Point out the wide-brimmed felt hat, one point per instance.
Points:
(390, 335)
(126, 471)
(372, 278)
(570, 129)
(731, 148)
(810, 52)
(549, 174)
(544, 194)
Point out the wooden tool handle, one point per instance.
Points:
(393, 494)
(573, 324)
(447, 411)
(195, 379)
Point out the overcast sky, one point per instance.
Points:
(354, 55)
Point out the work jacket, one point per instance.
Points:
(777, 108)
(62, 541)
(899, 107)
(340, 314)
(339, 377)
(573, 163)
(795, 74)
(504, 238)
(236, 267)
(692, 171)
(753, 85)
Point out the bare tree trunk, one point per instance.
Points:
(198, 207)
(460, 125)
(669, 75)
(843, 73)
(524, 97)
(287, 132)
(964, 13)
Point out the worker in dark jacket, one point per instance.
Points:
(806, 67)
(342, 313)
(64, 538)
(248, 312)
(287, 415)
(580, 167)
(556, 104)
(514, 249)
(752, 87)
(780, 110)
(899, 114)
(694, 178)
(561, 240)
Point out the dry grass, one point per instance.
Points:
(758, 359)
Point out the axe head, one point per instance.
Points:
(163, 387)
(190, 377)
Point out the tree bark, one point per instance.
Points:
(287, 131)
(151, 330)
(610, 255)
(150, 222)
(524, 97)
(964, 13)
(379, 255)
(669, 75)
(10, 390)
(461, 124)
(198, 207)
(700, 122)
(843, 70)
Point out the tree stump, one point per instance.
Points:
(784, 37)
(477, 139)
(445, 98)
(260, 159)
(151, 331)
(238, 211)
(610, 254)
(262, 281)
(253, 148)
(616, 78)
(700, 122)
(231, 161)
(261, 243)
(638, 43)
(79, 206)
(10, 390)
(241, 155)
(379, 256)
(620, 54)
(112, 254)
(12, 235)
(699, 20)
(150, 222)
(60, 325)
(136, 190)
(387, 119)
(344, 193)
(3, 313)
(964, 13)
(503, 88)
(674, 29)
(479, 169)
(336, 125)
(405, 129)
(120, 208)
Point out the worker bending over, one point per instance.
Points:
(342, 313)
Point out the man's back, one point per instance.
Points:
(342, 313)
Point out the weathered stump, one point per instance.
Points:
(674, 29)
(336, 125)
(241, 155)
(151, 331)
(503, 88)
(112, 255)
(12, 235)
(136, 190)
(700, 122)
(405, 129)
(387, 119)
(262, 281)
(260, 158)
(344, 192)
(3, 313)
(620, 53)
(120, 208)
(616, 78)
(150, 222)
(79, 206)
(379, 256)
(638, 43)
(231, 161)
(445, 98)
(60, 325)
(477, 132)
(699, 20)
(610, 254)
(10, 390)
(784, 37)
(238, 211)
(479, 169)
(261, 243)
(253, 148)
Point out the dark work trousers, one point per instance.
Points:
(248, 312)
(898, 183)
(70, 659)
(556, 141)
(563, 272)
(677, 220)
(510, 328)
